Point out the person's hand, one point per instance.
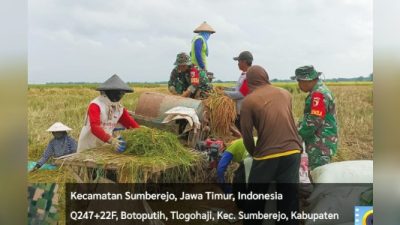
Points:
(172, 90)
(118, 144)
(36, 168)
(186, 93)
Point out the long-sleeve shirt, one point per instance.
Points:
(318, 128)
(235, 152)
(95, 123)
(237, 94)
(268, 109)
(198, 45)
(58, 147)
(180, 80)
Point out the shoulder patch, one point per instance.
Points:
(318, 104)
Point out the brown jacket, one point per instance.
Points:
(269, 110)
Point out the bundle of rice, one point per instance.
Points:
(222, 113)
(50, 176)
(152, 142)
(151, 155)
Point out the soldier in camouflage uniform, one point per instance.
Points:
(201, 90)
(318, 128)
(182, 83)
(179, 80)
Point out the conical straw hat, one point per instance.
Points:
(204, 27)
(114, 83)
(58, 126)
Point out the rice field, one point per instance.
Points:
(68, 104)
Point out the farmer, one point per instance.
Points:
(236, 152)
(105, 112)
(179, 80)
(199, 50)
(318, 128)
(62, 144)
(276, 154)
(245, 59)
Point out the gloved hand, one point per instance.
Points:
(37, 167)
(118, 144)
(172, 90)
(118, 129)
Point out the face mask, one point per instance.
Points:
(205, 35)
(114, 96)
(59, 134)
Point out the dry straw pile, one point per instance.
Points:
(222, 113)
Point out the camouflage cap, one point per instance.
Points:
(182, 59)
(306, 73)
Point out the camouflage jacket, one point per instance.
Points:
(203, 89)
(43, 204)
(318, 128)
(179, 80)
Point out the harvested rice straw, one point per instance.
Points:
(222, 112)
(151, 155)
(50, 176)
(153, 142)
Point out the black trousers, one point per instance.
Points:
(284, 171)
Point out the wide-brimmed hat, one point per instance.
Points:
(204, 27)
(306, 73)
(114, 83)
(58, 126)
(182, 59)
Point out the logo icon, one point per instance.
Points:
(363, 215)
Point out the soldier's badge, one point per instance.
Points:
(318, 105)
(316, 101)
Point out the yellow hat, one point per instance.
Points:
(204, 27)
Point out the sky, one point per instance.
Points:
(88, 41)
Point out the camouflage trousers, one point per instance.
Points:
(316, 158)
(43, 204)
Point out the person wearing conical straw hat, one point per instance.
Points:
(199, 50)
(62, 144)
(105, 113)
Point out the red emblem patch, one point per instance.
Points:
(318, 105)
